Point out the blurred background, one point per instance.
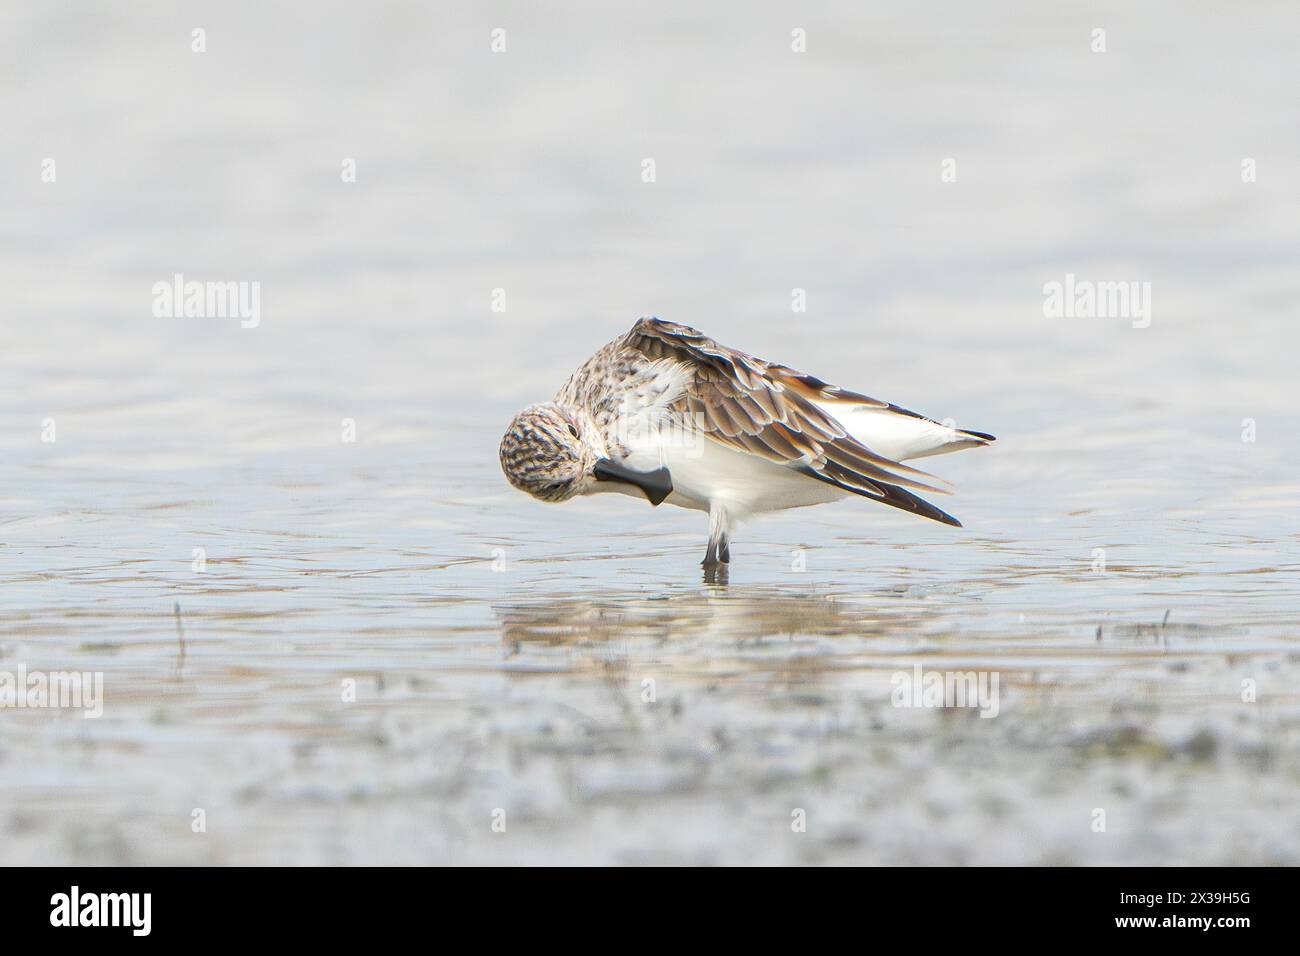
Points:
(1128, 563)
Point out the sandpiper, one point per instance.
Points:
(668, 414)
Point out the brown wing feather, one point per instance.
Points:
(769, 410)
(886, 494)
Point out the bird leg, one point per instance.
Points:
(719, 550)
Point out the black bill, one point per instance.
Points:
(656, 485)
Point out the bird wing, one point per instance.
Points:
(772, 411)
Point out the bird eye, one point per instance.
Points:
(573, 431)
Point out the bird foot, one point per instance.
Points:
(715, 572)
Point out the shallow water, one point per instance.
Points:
(568, 665)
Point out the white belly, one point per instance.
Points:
(703, 471)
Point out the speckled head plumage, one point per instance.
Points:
(543, 453)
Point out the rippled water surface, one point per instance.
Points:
(1128, 569)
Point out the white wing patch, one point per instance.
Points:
(897, 436)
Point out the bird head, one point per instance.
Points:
(554, 453)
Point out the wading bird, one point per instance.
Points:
(668, 414)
